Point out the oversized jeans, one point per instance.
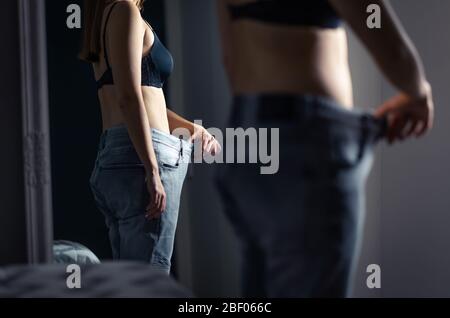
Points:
(300, 228)
(118, 183)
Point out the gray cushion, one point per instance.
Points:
(65, 252)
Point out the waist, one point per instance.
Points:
(155, 106)
(118, 136)
(302, 110)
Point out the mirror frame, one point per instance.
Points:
(36, 131)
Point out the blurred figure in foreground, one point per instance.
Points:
(288, 68)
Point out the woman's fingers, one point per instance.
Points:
(205, 141)
(156, 207)
(423, 128)
(411, 128)
(408, 115)
(216, 149)
(209, 147)
(160, 205)
(428, 122)
(151, 212)
(396, 128)
(164, 204)
(391, 105)
(208, 142)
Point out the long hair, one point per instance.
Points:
(93, 16)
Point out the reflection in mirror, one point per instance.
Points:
(76, 126)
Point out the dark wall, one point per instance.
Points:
(12, 209)
(76, 128)
(215, 249)
(415, 197)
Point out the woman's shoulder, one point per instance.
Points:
(125, 10)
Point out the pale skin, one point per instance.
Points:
(140, 108)
(267, 58)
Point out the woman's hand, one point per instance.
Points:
(157, 204)
(209, 143)
(407, 115)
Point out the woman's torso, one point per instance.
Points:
(294, 59)
(154, 99)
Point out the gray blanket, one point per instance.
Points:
(108, 280)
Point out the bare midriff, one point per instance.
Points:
(154, 99)
(155, 105)
(267, 58)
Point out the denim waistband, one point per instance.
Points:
(121, 132)
(271, 107)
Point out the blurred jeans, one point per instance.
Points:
(301, 227)
(118, 183)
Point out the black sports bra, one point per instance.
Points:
(156, 67)
(316, 13)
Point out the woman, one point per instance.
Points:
(288, 68)
(141, 167)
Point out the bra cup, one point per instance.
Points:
(156, 67)
(162, 61)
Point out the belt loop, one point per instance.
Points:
(364, 135)
(180, 157)
(383, 127)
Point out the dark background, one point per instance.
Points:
(12, 205)
(76, 128)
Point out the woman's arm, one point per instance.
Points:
(176, 121)
(390, 46)
(398, 59)
(125, 36)
(209, 143)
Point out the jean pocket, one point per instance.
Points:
(123, 185)
(116, 158)
(122, 166)
(168, 166)
(168, 160)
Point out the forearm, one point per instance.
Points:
(398, 57)
(139, 129)
(389, 45)
(176, 121)
(403, 67)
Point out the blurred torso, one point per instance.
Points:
(271, 58)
